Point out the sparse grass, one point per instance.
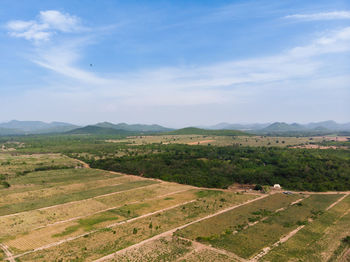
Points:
(64, 198)
(219, 140)
(163, 249)
(23, 222)
(208, 193)
(14, 165)
(236, 219)
(320, 240)
(250, 241)
(102, 242)
(205, 255)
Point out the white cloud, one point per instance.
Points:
(195, 85)
(335, 15)
(59, 21)
(47, 23)
(225, 83)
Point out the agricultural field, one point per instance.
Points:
(255, 141)
(56, 208)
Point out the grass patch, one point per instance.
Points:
(208, 193)
(76, 196)
(319, 240)
(250, 241)
(236, 219)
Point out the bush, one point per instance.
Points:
(5, 184)
(346, 240)
(258, 187)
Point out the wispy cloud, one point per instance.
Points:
(228, 82)
(47, 23)
(335, 15)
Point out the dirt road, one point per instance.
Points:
(167, 233)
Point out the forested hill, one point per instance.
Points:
(199, 131)
(96, 130)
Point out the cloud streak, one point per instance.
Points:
(335, 15)
(301, 69)
(47, 23)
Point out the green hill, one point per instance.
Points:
(134, 127)
(199, 131)
(96, 130)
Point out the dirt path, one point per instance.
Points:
(85, 165)
(110, 208)
(169, 232)
(93, 231)
(7, 253)
(199, 246)
(345, 257)
(336, 202)
(200, 142)
(282, 240)
(290, 234)
(72, 202)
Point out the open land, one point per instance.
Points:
(55, 207)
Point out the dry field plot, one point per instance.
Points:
(320, 240)
(12, 164)
(220, 140)
(150, 219)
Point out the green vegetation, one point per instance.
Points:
(199, 131)
(237, 219)
(249, 241)
(319, 240)
(298, 169)
(64, 198)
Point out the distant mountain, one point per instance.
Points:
(8, 131)
(283, 127)
(330, 125)
(134, 127)
(243, 127)
(199, 131)
(97, 130)
(280, 127)
(36, 127)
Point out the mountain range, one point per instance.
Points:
(16, 127)
(284, 127)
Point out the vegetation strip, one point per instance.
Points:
(7, 253)
(220, 251)
(71, 202)
(93, 231)
(111, 208)
(110, 256)
(292, 233)
(317, 240)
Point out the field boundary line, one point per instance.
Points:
(110, 208)
(171, 231)
(285, 238)
(72, 202)
(93, 231)
(7, 253)
(264, 218)
(336, 202)
(203, 246)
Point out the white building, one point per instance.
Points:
(276, 186)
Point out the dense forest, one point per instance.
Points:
(208, 166)
(298, 169)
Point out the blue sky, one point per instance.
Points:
(175, 63)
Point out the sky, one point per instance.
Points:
(175, 63)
